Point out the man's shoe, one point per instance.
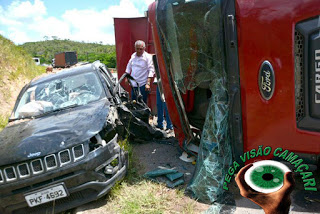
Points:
(169, 128)
(159, 127)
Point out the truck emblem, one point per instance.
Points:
(36, 154)
(266, 80)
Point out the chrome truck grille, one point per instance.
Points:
(307, 74)
(41, 165)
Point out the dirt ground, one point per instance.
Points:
(8, 94)
(150, 156)
(162, 154)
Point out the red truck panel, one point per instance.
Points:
(127, 32)
(266, 32)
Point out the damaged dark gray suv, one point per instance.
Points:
(59, 149)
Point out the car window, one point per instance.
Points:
(60, 93)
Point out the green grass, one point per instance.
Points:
(136, 195)
(147, 197)
(28, 70)
(16, 66)
(132, 174)
(15, 61)
(3, 121)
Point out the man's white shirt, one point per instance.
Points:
(140, 68)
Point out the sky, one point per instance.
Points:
(78, 20)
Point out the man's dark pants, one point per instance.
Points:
(143, 92)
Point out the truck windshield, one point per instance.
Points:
(191, 40)
(58, 94)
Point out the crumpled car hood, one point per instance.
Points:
(45, 135)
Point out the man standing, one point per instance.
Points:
(162, 106)
(140, 67)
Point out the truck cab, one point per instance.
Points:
(238, 77)
(241, 73)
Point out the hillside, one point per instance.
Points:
(16, 69)
(86, 51)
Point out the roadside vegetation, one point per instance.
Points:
(136, 195)
(147, 197)
(15, 62)
(16, 68)
(3, 121)
(88, 52)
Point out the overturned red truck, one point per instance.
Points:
(238, 76)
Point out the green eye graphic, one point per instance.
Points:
(266, 176)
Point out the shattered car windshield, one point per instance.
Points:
(58, 94)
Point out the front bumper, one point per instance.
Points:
(85, 181)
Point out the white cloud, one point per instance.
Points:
(18, 17)
(26, 21)
(9, 22)
(96, 26)
(17, 36)
(26, 10)
(51, 27)
(126, 9)
(4, 20)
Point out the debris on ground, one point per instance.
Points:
(172, 178)
(159, 172)
(187, 158)
(49, 69)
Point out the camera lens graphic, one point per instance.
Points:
(266, 176)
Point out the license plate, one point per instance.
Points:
(45, 195)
